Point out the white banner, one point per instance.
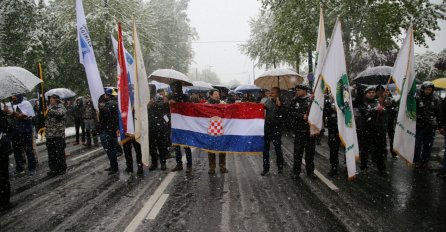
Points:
(86, 55)
(317, 107)
(142, 98)
(334, 72)
(404, 78)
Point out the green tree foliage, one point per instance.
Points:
(375, 23)
(31, 33)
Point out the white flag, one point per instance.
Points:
(404, 78)
(334, 72)
(142, 98)
(317, 107)
(86, 56)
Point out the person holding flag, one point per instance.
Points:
(108, 128)
(373, 125)
(303, 142)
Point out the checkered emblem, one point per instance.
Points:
(215, 126)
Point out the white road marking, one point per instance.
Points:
(86, 154)
(150, 203)
(225, 214)
(319, 175)
(157, 207)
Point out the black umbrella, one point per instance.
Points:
(378, 75)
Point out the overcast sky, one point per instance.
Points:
(227, 20)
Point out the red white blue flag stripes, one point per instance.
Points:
(230, 128)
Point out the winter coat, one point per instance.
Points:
(330, 114)
(159, 119)
(274, 114)
(428, 111)
(108, 117)
(298, 108)
(55, 121)
(5, 129)
(372, 121)
(78, 111)
(89, 112)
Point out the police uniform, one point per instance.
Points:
(428, 120)
(303, 142)
(330, 114)
(374, 131)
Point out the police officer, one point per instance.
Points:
(214, 98)
(392, 113)
(303, 142)
(108, 128)
(331, 117)
(373, 128)
(273, 132)
(55, 136)
(159, 129)
(428, 120)
(178, 96)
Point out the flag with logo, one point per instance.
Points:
(334, 72)
(229, 128)
(404, 77)
(125, 107)
(317, 107)
(86, 55)
(142, 97)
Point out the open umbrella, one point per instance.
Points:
(200, 85)
(440, 83)
(16, 80)
(378, 75)
(61, 92)
(247, 88)
(159, 85)
(282, 78)
(168, 76)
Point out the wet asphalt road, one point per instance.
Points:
(87, 199)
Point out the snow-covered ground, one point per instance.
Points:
(70, 131)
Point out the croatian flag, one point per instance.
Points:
(229, 128)
(125, 107)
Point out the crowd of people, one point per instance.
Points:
(375, 114)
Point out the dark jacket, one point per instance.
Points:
(5, 129)
(274, 114)
(330, 114)
(159, 119)
(428, 111)
(78, 111)
(179, 97)
(108, 117)
(298, 108)
(372, 121)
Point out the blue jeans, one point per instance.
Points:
(424, 140)
(108, 141)
(178, 155)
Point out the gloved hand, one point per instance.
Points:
(42, 133)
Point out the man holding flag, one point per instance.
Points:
(334, 74)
